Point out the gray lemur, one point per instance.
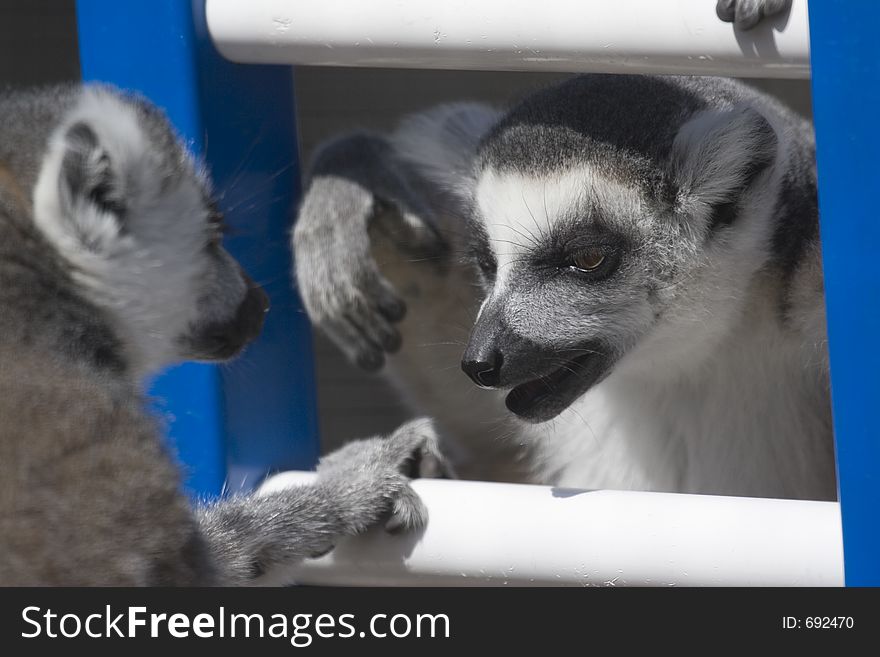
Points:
(630, 264)
(112, 267)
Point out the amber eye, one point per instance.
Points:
(588, 260)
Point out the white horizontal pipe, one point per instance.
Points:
(510, 534)
(619, 36)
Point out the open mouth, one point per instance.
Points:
(546, 397)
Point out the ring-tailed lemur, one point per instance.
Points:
(646, 298)
(111, 267)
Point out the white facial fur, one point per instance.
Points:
(518, 212)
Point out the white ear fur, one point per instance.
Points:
(716, 155)
(80, 196)
(90, 189)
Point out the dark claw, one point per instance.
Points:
(370, 361)
(395, 526)
(392, 342)
(412, 466)
(394, 310)
(726, 10)
(321, 553)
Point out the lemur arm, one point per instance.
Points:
(364, 483)
(403, 186)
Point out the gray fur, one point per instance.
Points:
(746, 14)
(89, 494)
(692, 358)
(364, 483)
(360, 186)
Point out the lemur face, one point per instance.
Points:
(592, 246)
(567, 272)
(131, 212)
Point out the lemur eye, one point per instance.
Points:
(588, 260)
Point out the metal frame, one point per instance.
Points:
(846, 97)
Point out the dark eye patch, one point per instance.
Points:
(723, 214)
(568, 241)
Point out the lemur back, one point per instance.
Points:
(633, 261)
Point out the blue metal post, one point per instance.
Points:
(230, 424)
(846, 103)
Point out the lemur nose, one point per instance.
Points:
(484, 369)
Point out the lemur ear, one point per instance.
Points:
(90, 187)
(716, 156)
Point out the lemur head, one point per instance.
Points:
(618, 221)
(132, 215)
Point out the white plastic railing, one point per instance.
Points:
(623, 36)
(509, 534)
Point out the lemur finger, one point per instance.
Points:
(386, 300)
(408, 512)
(377, 331)
(392, 308)
(324, 550)
(371, 314)
(773, 7)
(392, 341)
(364, 296)
(419, 450)
(433, 465)
(362, 291)
(726, 10)
(748, 14)
(352, 342)
(370, 361)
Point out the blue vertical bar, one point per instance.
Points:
(846, 104)
(230, 424)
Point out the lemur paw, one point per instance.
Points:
(342, 289)
(358, 187)
(745, 14)
(370, 478)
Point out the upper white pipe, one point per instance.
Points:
(508, 534)
(619, 36)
